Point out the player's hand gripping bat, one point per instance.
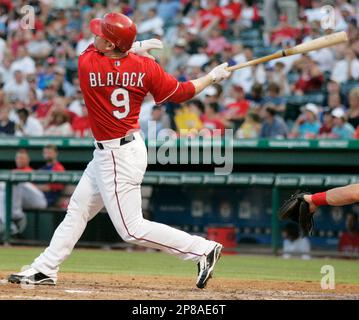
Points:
(316, 44)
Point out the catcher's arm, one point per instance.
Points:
(334, 197)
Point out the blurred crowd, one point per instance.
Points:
(315, 95)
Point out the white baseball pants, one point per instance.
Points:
(112, 179)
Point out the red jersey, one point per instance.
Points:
(238, 108)
(114, 89)
(232, 10)
(349, 242)
(206, 16)
(81, 125)
(212, 124)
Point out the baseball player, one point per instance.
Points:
(114, 82)
(301, 206)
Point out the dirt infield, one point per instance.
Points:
(73, 286)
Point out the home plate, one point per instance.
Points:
(78, 291)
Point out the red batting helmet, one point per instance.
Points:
(116, 28)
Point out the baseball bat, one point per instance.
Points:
(319, 43)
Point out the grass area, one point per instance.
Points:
(154, 263)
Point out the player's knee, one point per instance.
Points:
(128, 238)
(133, 232)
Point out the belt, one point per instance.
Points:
(121, 142)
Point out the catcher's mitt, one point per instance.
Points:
(297, 210)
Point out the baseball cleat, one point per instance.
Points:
(31, 276)
(206, 266)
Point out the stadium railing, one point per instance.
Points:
(275, 181)
(323, 152)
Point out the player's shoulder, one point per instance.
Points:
(90, 49)
(146, 63)
(139, 59)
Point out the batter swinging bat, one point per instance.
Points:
(322, 42)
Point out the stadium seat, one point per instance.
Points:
(248, 34)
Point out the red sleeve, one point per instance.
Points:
(57, 186)
(165, 87)
(256, 15)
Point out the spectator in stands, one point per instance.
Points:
(168, 9)
(255, 97)
(27, 124)
(58, 105)
(161, 121)
(333, 87)
(314, 13)
(273, 125)
(212, 119)
(334, 101)
(284, 31)
(273, 97)
(33, 103)
(236, 107)
(349, 240)
(277, 75)
(248, 16)
(307, 125)
(46, 103)
(87, 39)
(59, 125)
(209, 17)
(7, 127)
(151, 24)
(39, 47)
(211, 94)
(293, 244)
(342, 129)
(25, 195)
(353, 112)
(81, 124)
(62, 86)
(52, 191)
(250, 128)
(250, 76)
(17, 87)
(23, 62)
(5, 72)
(346, 69)
(32, 80)
(289, 9)
(326, 129)
(179, 56)
(311, 77)
(188, 117)
(216, 42)
(47, 74)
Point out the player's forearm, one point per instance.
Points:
(336, 197)
(343, 195)
(202, 83)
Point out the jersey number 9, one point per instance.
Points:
(121, 99)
